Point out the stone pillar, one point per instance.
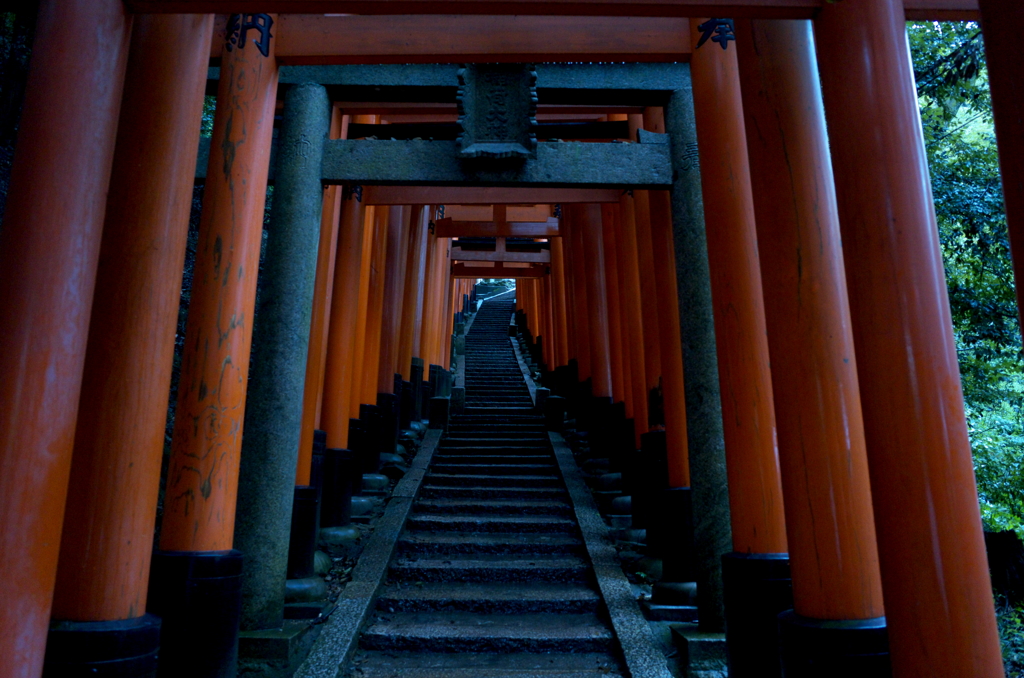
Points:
(195, 574)
(49, 246)
(320, 320)
(705, 438)
(818, 412)
(281, 336)
(107, 538)
(938, 596)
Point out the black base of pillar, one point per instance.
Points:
(416, 381)
(341, 472)
(125, 648)
(406, 406)
(305, 528)
(812, 648)
(757, 589)
(387, 406)
(554, 413)
(645, 476)
(438, 413)
(369, 415)
(198, 596)
(670, 533)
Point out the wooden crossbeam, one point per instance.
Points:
(938, 10)
(460, 195)
(499, 270)
(304, 39)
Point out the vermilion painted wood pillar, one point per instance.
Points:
(632, 306)
(581, 303)
(412, 304)
(934, 576)
(612, 288)
(107, 539)
(550, 344)
(559, 310)
(649, 295)
(49, 247)
(748, 412)
(672, 381)
(363, 300)
(430, 297)
(591, 233)
(319, 324)
(1001, 22)
(375, 308)
(830, 525)
(340, 365)
(202, 476)
(394, 278)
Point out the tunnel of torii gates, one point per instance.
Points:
(638, 261)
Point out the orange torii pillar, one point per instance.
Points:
(389, 384)
(938, 596)
(320, 320)
(631, 306)
(649, 298)
(745, 381)
(107, 539)
(581, 306)
(195, 579)
(49, 247)
(558, 295)
(410, 360)
(834, 558)
(362, 313)
(612, 292)
(339, 368)
(590, 229)
(1001, 23)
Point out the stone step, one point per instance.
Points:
(448, 543)
(494, 507)
(493, 469)
(454, 492)
(468, 632)
(475, 568)
(497, 410)
(495, 441)
(544, 524)
(484, 597)
(489, 455)
(434, 478)
(486, 665)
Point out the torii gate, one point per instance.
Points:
(938, 606)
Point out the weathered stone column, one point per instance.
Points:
(273, 416)
(706, 444)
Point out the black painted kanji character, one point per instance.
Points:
(718, 30)
(240, 24)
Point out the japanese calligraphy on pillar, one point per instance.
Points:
(721, 31)
(239, 26)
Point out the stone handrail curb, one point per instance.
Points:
(340, 636)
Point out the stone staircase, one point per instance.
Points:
(490, 577)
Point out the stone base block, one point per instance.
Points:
(283, 644)
(703, 654)
(339, 540)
